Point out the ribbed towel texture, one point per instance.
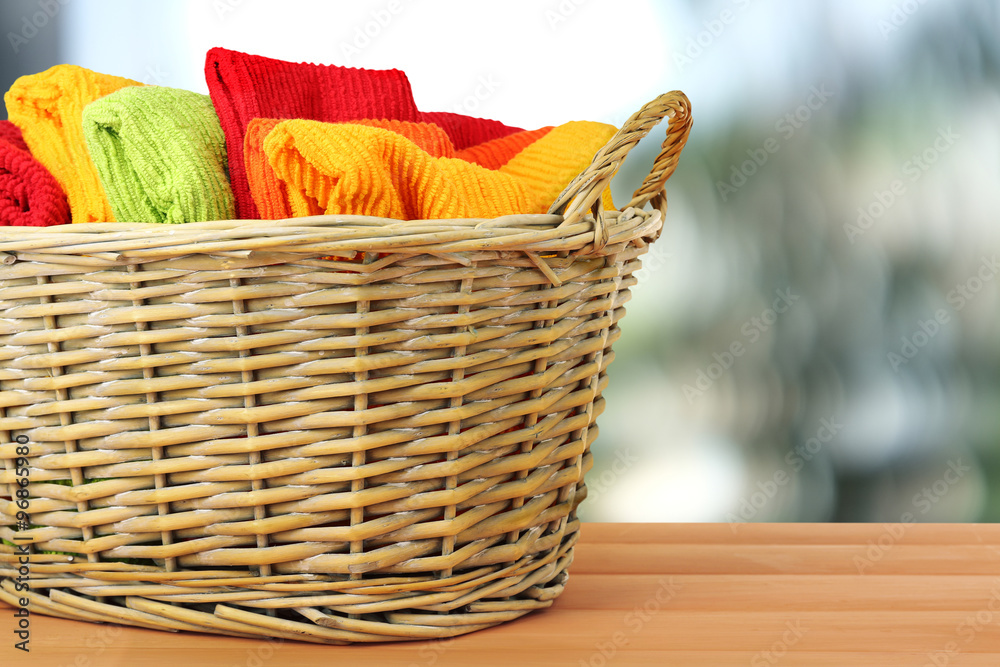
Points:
(160, 154)
(29, 195)
(272, 140)
(498, 152)
(337, 168)
(244, 87)
(12, 135)
(548, 165)
(48, 107)
(269, 192)
(465, 131)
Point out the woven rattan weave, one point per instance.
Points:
(332, 429)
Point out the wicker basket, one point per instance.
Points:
(332, 429)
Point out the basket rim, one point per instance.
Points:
(343, 235)
(576, 223)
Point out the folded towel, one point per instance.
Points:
(548, 165)
(29, 195)
(48, 107)
(498, 152)
(344, 168)
(353, 169)
(268, 191)
(161, 155)
(244, 87)
(466, 131)
(12, 135)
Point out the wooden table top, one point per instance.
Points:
(665, 594)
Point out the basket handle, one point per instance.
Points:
(584, 192)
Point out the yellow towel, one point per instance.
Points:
(48, 107)
(337, 168)
(548, 165)
(353, 169)
(268, 191)
(497, 152)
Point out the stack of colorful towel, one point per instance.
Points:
(272, 140)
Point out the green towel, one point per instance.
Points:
(160, 154)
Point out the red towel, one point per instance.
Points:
(244, 87)
(465, 131)
(29, 194)
(12, 135)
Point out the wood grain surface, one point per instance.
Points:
(665, 594)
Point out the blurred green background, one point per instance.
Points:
(815, 335)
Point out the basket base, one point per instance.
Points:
(324, 617)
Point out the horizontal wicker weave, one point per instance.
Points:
(330, 429)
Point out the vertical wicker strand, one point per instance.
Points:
(455, 426)
(250, 401)
(359, 457)
(530, 420)
(568, 493)
(159, 479)
(65, 419)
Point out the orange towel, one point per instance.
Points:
(48, 107)
(498, 152)
(354, 169)
(268, 191)
(245, 86)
